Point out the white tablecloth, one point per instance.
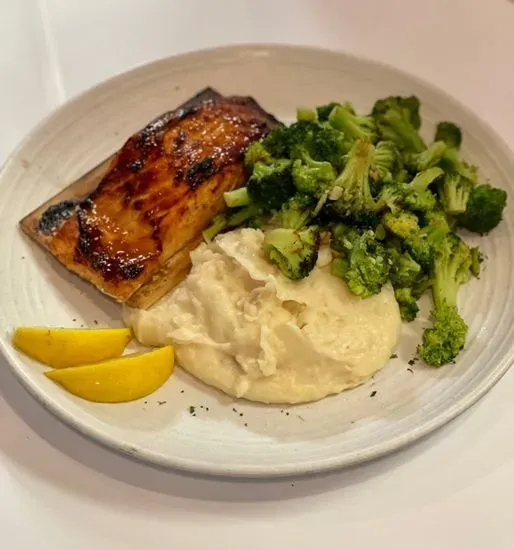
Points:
(452, 491)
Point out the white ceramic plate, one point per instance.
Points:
(227, 437)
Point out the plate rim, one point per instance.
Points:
(109, 441)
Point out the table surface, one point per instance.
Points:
(454, 490)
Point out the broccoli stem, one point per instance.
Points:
(306, 114)
(425, 178)
(237, 197)
(218, 224)
(407, 132)
(352, 125)
(243, 215)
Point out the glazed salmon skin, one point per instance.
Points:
(157, 194)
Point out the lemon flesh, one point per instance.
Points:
(63, 347)
(123, 379)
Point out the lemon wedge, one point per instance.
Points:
(123, 379)
(66, 347)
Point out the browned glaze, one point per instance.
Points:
(162, 189)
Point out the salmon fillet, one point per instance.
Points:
(159, 193)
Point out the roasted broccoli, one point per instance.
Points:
(270, 185)
(401, 224)
(443, 342)
(451, 162)
(449, 133)
(484, 209)
(398, 120)
(355, 200)
(455, 193)
(365, 265)
(296, 212)
(407, 303)
(408, 107)
(452, 268)
(324, 111)
(354, 126)
(319, 142)
(384, 165)
(294, 251)
(431, 156)
(417, 195)
(313, 177)
(405, 271)
(391, 202)
(257, 152)
(423, 244)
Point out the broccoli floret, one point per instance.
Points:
(431, 156)
(296, 212)
(306, 114)
(422, 284)
(451, 162)
(443, 342)
(455, 194)
(237, 197)
(405, 270)
(354, 126)
(365, 265)
(325, 110)
(277, 141)
(452, 268)
(417, 195)
(313, 177)
(342, 236)
(390, 198)
(320, 142)
(423, 244)
(385, 163)
(408, 305)
(270, 185)
(449, 133)
(484, 209)
(294, 251)
(408, 107)
(401, 224)
(398, 120)
(437, 218)
(256, 152)
(355, 198)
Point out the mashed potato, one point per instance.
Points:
(239, 325)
